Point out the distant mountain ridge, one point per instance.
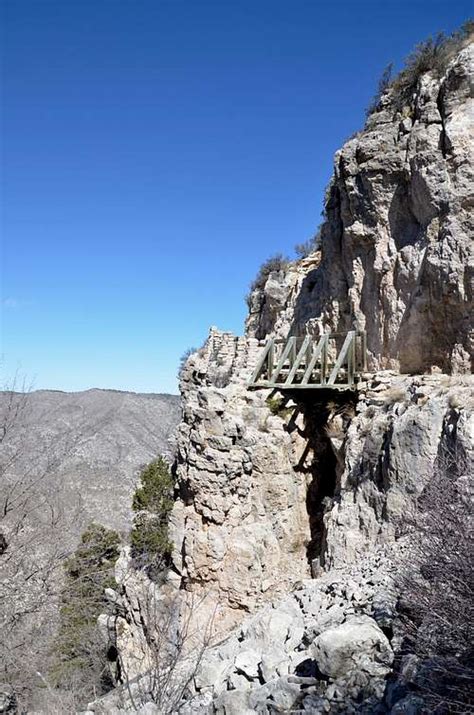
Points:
(93, 445)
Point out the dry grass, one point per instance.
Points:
(433, 56)
(394, 395)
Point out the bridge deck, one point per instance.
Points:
(336, 360)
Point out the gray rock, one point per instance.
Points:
(396, 244)
(247, 662)
(280, 694)
(409, 705)
(357, 644)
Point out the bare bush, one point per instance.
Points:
(274, 264)
(184, 359)
(161, 635)
(34, 543)
(303, 250)
(382, 87)
(433, 55)
(438, 586)
(177, 638)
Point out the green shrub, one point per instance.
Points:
(80, 655)
(433, 55)
(277, 406)
(149, 538)
(275, 263)
(156, 490)
(153, 500)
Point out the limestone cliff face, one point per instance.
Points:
(268, 495)
(396, 246)
(270, 499)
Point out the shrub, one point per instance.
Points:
(382, 87)
(303, 250)
(184, 359)
(278, 407)
(80, 654)
(149, 539)
(275, 263)
(153, 502)
(155, 492)
(433, 55)
(428, 56)
(438, 585)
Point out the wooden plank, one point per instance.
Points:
(314, 357)
(324, 362)
(271, 354)
(298, 359)
(298, 386)
(351, 357)
(364, 350)
(341, 357)
(261, 362)
(284, 357)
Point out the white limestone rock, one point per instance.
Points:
(357, 644)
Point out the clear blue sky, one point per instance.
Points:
(155, 152)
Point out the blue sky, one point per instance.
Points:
(155, 152)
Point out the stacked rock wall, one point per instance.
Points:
(240, 527)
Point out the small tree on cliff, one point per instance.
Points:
(152, 502)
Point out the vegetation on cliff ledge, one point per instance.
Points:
(152, 502)
(433, 55)
(80, 652)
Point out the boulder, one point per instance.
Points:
(357, 644)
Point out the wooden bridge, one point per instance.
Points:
(336, 360)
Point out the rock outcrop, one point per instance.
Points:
(269, 499)
(396, 247)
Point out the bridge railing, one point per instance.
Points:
(334, 360)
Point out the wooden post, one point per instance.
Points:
(312, 362)
(351, 357)
(324, 360)
(297, 360)
(271, 351)
(283, 358)
(341, 358)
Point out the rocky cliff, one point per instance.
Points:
(396, 260)
(396, 247)
(290, 510)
